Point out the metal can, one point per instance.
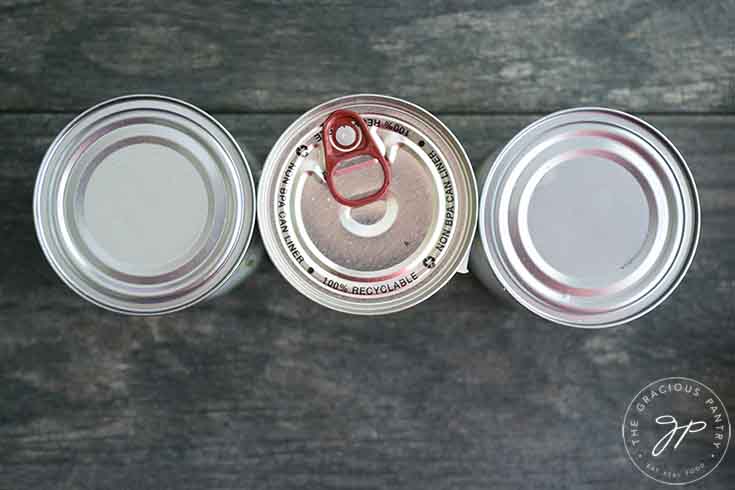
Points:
(145, 205)
(589, 217)
(394, 229)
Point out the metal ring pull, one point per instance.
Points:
(345, 135)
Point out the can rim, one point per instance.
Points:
(692, 245)
(37, 212)
(388, 305)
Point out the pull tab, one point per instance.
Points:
(345, 135)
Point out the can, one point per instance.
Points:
(589, 217)
(367, 248)
(145, 205)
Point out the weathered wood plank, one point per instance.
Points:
(263, 389)
(466, 57)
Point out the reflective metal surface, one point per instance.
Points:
(145, 205)
(387, 255)
(589, 217)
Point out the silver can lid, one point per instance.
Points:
(589, 217)
(144, 205)
(384, 256)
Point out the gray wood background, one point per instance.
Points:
(262, 389)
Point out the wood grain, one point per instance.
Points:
(462, 57)
(263, 389)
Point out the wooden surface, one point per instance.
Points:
(508, 55)
(262, 389)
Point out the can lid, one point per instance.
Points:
(383, 255)
(589, 217)
(144, 204)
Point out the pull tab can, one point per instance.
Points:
(386, 256)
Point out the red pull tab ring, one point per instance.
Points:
(362, 145)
